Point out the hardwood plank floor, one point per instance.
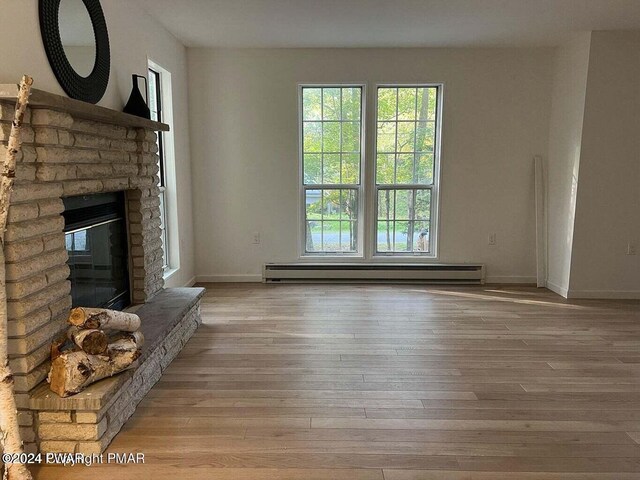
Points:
(403, 382)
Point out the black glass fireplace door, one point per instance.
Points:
(96, 241)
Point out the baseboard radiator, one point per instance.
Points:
(471, 274)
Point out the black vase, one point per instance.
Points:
(136, 104)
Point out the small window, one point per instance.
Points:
(155, 105)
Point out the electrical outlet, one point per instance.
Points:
(492, 239)
(256, 238)
(631, 248)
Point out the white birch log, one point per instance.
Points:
(92, 341)
(11, 442)
(73, 372)
(101, 318)
(136, 337)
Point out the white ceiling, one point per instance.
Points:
(387, 23)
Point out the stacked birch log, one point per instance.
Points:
(99, 344)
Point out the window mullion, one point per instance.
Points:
(341, 139)
(322, 136)
(395, 144)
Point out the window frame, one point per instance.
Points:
(168, 194)
(360, 187)
(368, 189)
(160, 114)
(157, 80)
(434, 187)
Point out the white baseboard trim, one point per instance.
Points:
(562, 291)
(605, 294)
(510, 279)
(191, 282)
(251, 278)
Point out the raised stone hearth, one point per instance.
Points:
(86, 422)
(74, 148)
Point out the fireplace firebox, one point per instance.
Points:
(96, 241)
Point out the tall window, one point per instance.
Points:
(405, 169)
(155, 105)
(402, 171)
(331, 168)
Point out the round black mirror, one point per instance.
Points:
(75, 37)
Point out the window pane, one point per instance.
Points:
(406, 137)
(424, 169)
(348, 205)
(331, 105)
(331, 136)
(404, 202)
(163, 226)
(407, 103)
(386, 137)
(425, 136)
(402, 239)
(386, 202)
(351, 168)
(387, 104)
(331, 204)
(331, 236)
(421, 234)
(384, 235)
(385, 168)
(426, 107)
(312, 167)
(331, 168)
(312, 137)
(313, 204)
(432, 104)
(422, 205)
(153, 95)
(404, 168)
(351, 104)
(347, 236)
(350, 137)
(314, 236)
(312, 104)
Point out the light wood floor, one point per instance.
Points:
(393, 383)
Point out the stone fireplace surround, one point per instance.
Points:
(75, 148)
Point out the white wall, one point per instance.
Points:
(243, 106)
(134, 36)
(565, 140)
(608, 204)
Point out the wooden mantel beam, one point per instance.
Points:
(80, 109)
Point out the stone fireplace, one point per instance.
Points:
(74, 152)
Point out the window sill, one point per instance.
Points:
(408, 257)
(330, 256)
(169, 272)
